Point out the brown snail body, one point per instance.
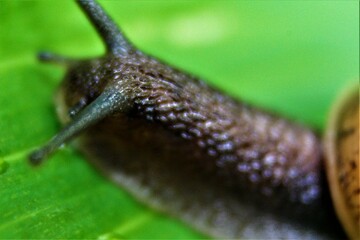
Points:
(183, 147)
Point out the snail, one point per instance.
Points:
(183, 147)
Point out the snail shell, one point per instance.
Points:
(342, 160)
(183, 147)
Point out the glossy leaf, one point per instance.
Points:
(292, 57)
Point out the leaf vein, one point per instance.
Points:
(34, 213)
(129, 225)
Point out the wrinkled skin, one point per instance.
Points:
(182, 145)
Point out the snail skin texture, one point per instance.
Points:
(185, 148)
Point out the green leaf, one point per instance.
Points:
(292, 57)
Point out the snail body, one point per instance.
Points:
(186, 148)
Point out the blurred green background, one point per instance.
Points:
(292, 57)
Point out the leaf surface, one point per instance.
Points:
(292, 57)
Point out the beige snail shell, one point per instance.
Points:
(226, 168)
(342, 160)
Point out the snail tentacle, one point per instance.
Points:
(49, 57)
(107, 103)
(116, 43)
